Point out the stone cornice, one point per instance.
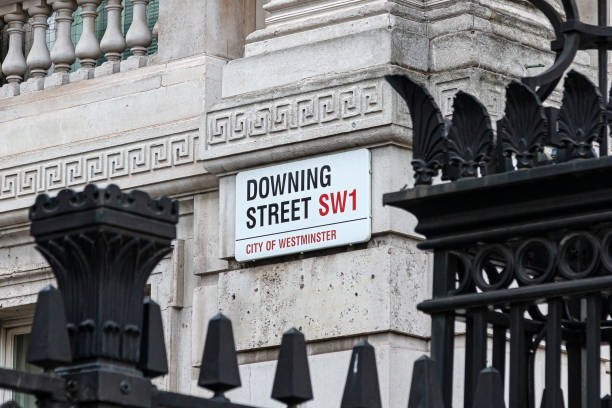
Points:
(353, 108)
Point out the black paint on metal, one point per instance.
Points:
(520, 227)
(101, 342)
(361, 389)
(292, 384)
(49, 345)
(219, 372)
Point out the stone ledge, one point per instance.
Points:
(350, 49)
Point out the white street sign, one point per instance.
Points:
(303, 206)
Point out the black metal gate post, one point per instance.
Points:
(100, 342)
(520, 228)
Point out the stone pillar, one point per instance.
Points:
(113, 43)
(14, 65)
(39, 59)
(139, 36)
(216, 28)
(63, 54)
(312, 82)
(88, 49)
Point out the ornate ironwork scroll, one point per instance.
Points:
(523, 251)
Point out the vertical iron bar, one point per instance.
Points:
(574, 371)
(499, 351)
(602, 16)
(475, 352)
(553, 355)
(518, 358)
(593, 351)
(443, 326)
(442, 352)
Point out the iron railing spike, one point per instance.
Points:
(49, 343)
(361, 389)
(292, 384)
(153, 359)
(489, 391)
(219, 372)
(425, 390)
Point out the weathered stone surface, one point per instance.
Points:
(227, 216)
(391, 171)
(355, 51)
(347, 293)
(214, 28)
(206, 227)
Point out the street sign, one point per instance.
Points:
(302, 206)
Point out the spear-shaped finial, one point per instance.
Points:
(425, 391)
(361, 389)
(219, 372)
(292, 380)
(153, 360)
(49, 343)
(489, 391)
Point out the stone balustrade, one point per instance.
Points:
(45, 68)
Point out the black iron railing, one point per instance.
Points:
(100, 341)
(521, 232)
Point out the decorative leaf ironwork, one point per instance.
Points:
(581, 119)
(523, 130)
(470, 137)
(429, 128)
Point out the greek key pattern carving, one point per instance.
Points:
(327, 107)
(99, 166)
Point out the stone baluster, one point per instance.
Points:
(62, 54)
(139, 35)
(88, 49)
(113, 43)
(14, 65)
(39, 58)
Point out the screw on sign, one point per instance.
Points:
(100, 342)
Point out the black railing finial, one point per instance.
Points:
(153, 359)
(292, 380)
(490, 390)
(361, 389)
(49, 343)
(425, 391)
(219, 372)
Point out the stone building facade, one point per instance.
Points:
(236, 85)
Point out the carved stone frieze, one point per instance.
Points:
(102, 165)
(325, 108)
(241, 126)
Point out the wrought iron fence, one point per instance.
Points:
(521, 232)
(100, 341)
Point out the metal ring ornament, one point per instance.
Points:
(565, 269)
(467, 278)
(505, 276)
(606, 258)
(521, 272)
